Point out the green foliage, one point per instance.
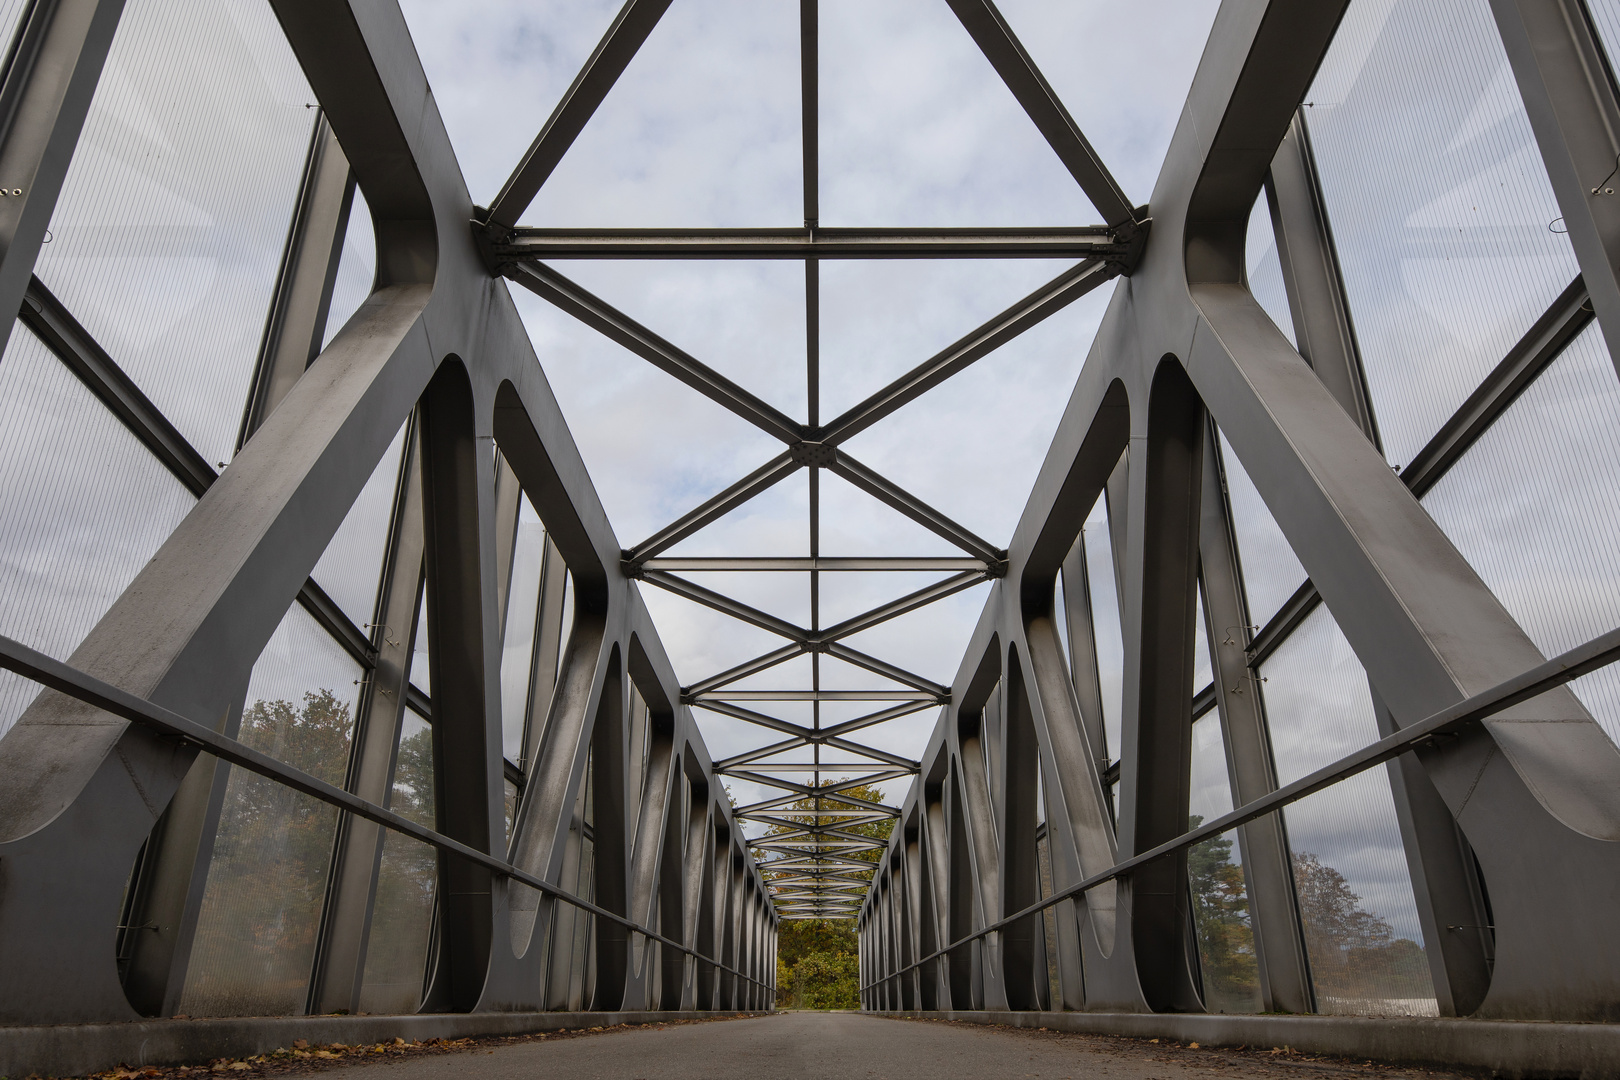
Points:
(1221, 916)
(799, 938)
(399, 922)
(828, 981)
(817, 965)
(256, 935)
(1356, 959)
(817, 960)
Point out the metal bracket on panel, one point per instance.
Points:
(495, 262)
(1134, 235)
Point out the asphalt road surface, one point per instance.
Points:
(849, 1046)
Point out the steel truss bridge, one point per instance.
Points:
(579, 849)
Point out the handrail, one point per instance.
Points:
(37, 667)
(1599, 652)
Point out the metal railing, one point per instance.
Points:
(36, 666)
(1599, 652)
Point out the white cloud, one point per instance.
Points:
(704, 130)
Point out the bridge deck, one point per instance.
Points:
(791, 1046)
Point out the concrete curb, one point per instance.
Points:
(1500, 1047)
(78, 1049)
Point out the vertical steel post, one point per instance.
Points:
(1311, 275)
(296, 323)
(458, 494)
(1285, 980)
(351, 897)
(1161, 568)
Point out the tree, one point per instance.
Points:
(256, 934)
(817, 960)
(397, 949)
(1221, 917)
(1356, 959)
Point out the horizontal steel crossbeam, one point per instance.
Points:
(823, 563)
(1087, 242)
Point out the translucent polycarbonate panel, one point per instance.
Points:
(567, 636)
(1265, 269)
(1201, 666)
(1606, 21)
(402, 916)
(640, 745)
(1271, 571)
(421, 673)
(1350, 871)
(517, 648)
(1060, 619)
(169, 232)
(86, 509)
(1215, 878)
(1105, 621)
(357, 268)
(350, 570)
(1440, 204)
(11, 12)
(255, 940)
(1532, 506)
(1210, 791)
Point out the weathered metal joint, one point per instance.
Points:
(486, 240)
(814, 455)
(1134, 236)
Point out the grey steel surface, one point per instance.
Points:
(1531, 788)
(1085, 242)
(224, 580)
(1499, 786)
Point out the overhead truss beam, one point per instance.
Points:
(1006, 54)
(1088, 242)
(613, 54)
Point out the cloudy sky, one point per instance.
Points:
(704, 130)
(170, 227)
(1439, 202)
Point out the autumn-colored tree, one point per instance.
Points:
(1356, 959)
